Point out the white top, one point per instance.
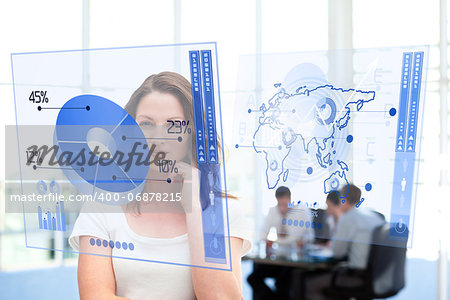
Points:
(353, 236)
(296, 224)
(138, 279)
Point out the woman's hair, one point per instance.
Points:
(176, 85)
(166, 83)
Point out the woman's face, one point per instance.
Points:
(160, 116)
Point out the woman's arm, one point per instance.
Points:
(210, 283)
(218, 284)
(95, 272)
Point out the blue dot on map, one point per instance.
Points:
(392, 112)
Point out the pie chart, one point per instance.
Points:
(95, 138)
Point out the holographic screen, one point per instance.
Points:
(82, 150)
(318, 121)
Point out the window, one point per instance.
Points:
(31, 26)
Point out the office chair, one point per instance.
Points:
(379, 214)
(322, 233)
(385, 273)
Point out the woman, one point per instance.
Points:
(154, 230)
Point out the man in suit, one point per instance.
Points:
(351, 240)
(286, 234)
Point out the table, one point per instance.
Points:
(305, 262)
(300, 264)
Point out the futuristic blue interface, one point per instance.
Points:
(80, 149)
(316, 125)
(85, 148)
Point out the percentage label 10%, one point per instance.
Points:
(167, 166)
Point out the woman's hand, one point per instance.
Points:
(189, 176)
(208, 283)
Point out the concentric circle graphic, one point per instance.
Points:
(325, 111)
(320, 111)
(93, 127)
(41, 187)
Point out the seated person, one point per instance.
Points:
(286, 218)
(328, 220)
(354, 230)
(333, 210)
(351, 239)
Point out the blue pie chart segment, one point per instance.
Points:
(104, 134)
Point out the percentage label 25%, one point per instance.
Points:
(178, 127)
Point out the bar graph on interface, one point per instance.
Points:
(52, 221)
(201, 67)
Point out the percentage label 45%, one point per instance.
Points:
(38, 97)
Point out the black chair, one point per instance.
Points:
(385, 273)
(379, 214)
(322, 233)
